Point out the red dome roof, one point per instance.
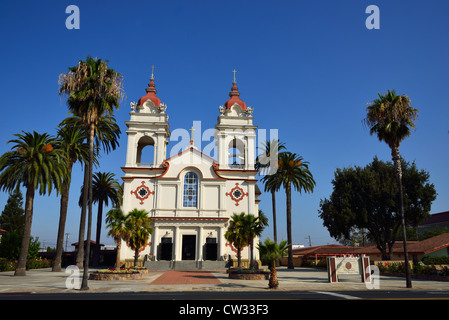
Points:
(234, 94)
(151, 95)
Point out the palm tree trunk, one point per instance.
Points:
(398, 171)
(239, 257)
(275, 232)
(21, 264)
(288, 191)
(118, 243)
(273, 202)
(251, 247)
(96, 261)
(80, 253)
(136, 256)
(84, 285)
(273, 283)
(62, 219)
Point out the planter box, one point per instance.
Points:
(115, 276)
(249, 276)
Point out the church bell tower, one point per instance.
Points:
(148, 128)
(235, 133)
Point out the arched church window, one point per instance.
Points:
(236, 153)
(190, 190)
(145, 151)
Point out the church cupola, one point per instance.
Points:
(151, 93)
(235, 98)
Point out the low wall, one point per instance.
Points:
(297, 261)
(383, 262)
(233, 263)
(130, 263)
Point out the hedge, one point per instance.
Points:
(36, 263)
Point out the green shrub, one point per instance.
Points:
(38, 263)
(435, 260)
(7, 265)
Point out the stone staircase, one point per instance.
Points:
(186, 265)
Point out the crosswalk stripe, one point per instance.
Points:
(339, 295)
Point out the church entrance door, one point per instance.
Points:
(188, 247)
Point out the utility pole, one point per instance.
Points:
(310, 240)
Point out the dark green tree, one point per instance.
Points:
(367, 198)
(13, 215)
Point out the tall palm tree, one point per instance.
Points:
(35, 163)
(107, 133)
(138, 224)
(93, 90)
(272, 251)
(73, 145)
(391, 118)
(253, 227)
(236, 234)
(105, 188)
(293, 171)
(270, 179)
(116, 223)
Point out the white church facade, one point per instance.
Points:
(190, 196)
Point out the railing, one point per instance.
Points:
(236, 166)
(145, 165)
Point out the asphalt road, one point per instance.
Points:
(230, 305)
(238, 295)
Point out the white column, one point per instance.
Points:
(220, 150)
(131, 150)
(251, 199)
(200, 244)
(250, 151)
(154, 243)
(176, 245)
(221, 241)
(159, 151)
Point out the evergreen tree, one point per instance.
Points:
(13, 215)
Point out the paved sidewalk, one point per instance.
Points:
(46, 281)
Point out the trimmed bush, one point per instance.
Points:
(435, 260)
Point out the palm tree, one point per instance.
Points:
(37, 165)
(293, 171)
(105, 188)
(253, 227)
(107, 133)
(391, 118)
(271, 181)
(138, 224)
(116, 223)
(236, 234)
(73, 145)
(271, 251)
(93, 90)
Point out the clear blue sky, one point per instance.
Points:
(308, 68)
